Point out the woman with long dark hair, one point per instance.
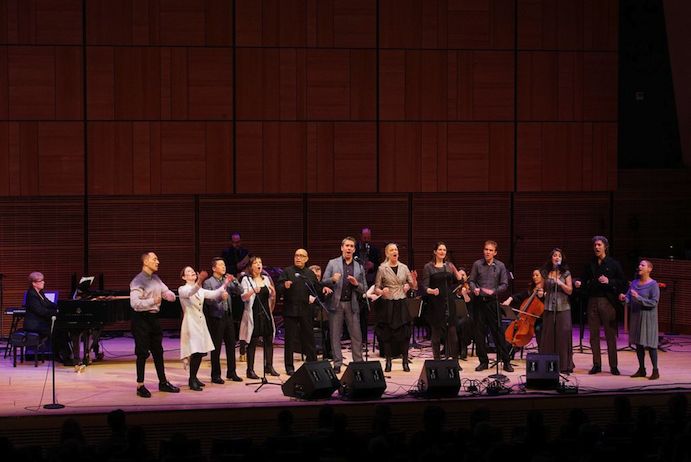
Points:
(259, 296)
(439, 278)
(557, 335)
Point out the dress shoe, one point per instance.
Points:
(143, 392)
(194, 386)
(639, 373)
(217, 380)
(168, 387)
(614, 371)
(482, 367)
(234, 377)
(655, 375)
(271, 371)
(252, 375)
(406, 366)
(337, 369)
(200, 383)
(290, 371)
(387, 366)
(595, 370)
(508, 367)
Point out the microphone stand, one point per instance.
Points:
(263, 380)
(315, 294)
(497, 375)
(369, 308)
(54, 404)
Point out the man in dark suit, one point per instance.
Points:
(346, 277)
(298, 314)
(219, 320)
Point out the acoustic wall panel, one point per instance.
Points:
(463, 222)
(306, 23)
(271, 226)
(160, 157)
(164, 225)
(40, 234)
(159, 22)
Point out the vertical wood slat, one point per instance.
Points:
(164, 225)
(271, 226)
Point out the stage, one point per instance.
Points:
(238, 409)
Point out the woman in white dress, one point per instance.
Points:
(195, 340)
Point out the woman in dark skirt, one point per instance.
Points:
(439, 279)
(393, 281)
(557, 336)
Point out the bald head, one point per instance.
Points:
(300, 258)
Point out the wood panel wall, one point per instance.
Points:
(326, 96)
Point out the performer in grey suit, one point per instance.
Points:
(346, 278)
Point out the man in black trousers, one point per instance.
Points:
(298, 314)
(219, 320)
(488, 278)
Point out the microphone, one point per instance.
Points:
(52, 323)
(298, 275)
(356, 258)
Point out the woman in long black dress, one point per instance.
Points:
(439, 279)
(259, 296)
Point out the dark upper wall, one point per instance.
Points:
(268, 96)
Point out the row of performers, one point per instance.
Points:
(207, 321)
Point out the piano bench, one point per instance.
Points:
(19, 340)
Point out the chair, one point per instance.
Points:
(20, 340)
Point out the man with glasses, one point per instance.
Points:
(296, 285)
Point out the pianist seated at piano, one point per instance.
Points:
(40, 311)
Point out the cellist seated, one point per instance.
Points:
(516, 302)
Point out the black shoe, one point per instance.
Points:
(508, 367)
(337, 369)
(142, 392)
(200, 383)
(639, 373)
(595, 370)
(252, 375)
(271, 371)
(194, 386)
(387, 366)
(217, 380)
(168, 387)
(290, 371)
(233, 377)
(482, 367)
(614, 370)
(406, 367)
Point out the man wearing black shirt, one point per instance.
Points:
(219, 320)
(297, 312)
(603, 280)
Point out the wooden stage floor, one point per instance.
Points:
(110, 384)
(235, 410)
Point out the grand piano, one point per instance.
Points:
(85, 318)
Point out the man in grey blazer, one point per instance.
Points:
(346, 278)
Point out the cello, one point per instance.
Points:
(522, 330)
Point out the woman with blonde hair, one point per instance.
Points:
(393, 281)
